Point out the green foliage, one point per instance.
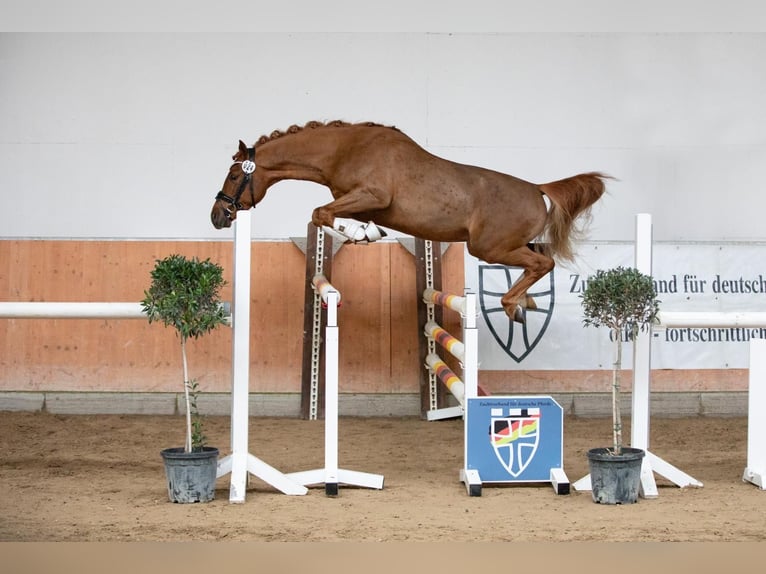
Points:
(185, 295)
(624, 300)
(620, 298)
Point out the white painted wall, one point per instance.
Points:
(129, 135)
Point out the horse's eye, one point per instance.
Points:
(233, 177)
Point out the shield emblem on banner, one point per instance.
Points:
(515, 438)
(516, 339)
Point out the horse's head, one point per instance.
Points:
(238, 189)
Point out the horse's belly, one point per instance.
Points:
(436, 225)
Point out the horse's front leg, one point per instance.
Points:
(333, 216)
(535, 266)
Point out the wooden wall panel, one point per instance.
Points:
(377, 318)
(276, 328)
(378, 322)
(75, 354)
(362, 273)
(404, 367)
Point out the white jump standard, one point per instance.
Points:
(240, 462)
(331, 475)
(467, 352)
(640, 414)
(480, 465)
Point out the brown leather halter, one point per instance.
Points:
(248, 167)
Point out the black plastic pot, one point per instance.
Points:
(615, 479)
(191, 475)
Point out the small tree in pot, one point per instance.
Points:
(625, 301)
(185, 295)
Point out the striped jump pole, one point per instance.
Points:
(447, 376)
(451, 344)
(465, 351)
(454, 302)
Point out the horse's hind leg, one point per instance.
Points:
(535, 266)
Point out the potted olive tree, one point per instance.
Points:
(625, 301)
(185, 294)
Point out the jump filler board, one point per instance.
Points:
(514, 439)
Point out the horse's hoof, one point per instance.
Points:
(372, 232)
(518, 315)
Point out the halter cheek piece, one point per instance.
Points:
(248, 168)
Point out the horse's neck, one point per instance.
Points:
(305, 156)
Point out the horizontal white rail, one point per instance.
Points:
(77, 310)
(70, 310)
(711, 319)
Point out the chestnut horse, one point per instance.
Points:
(379, 175)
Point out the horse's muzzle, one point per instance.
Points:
(220, 217)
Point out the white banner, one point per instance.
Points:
(688, 277)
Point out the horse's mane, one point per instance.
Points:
(293, 129)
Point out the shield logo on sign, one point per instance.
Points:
(516, 339)
(515, 438)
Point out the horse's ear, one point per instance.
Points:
(242, 153)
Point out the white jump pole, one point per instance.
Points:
(240, 461)
(716, 319)
(331, 475)
(70, 310)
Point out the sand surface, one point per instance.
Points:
(101, 478)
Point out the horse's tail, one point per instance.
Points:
(571, 199)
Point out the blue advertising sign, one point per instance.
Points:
(514, 439)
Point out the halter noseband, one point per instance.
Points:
(248, 167)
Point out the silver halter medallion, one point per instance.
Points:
(248, 166)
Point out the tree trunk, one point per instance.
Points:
(188, 443)
(616, 375)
